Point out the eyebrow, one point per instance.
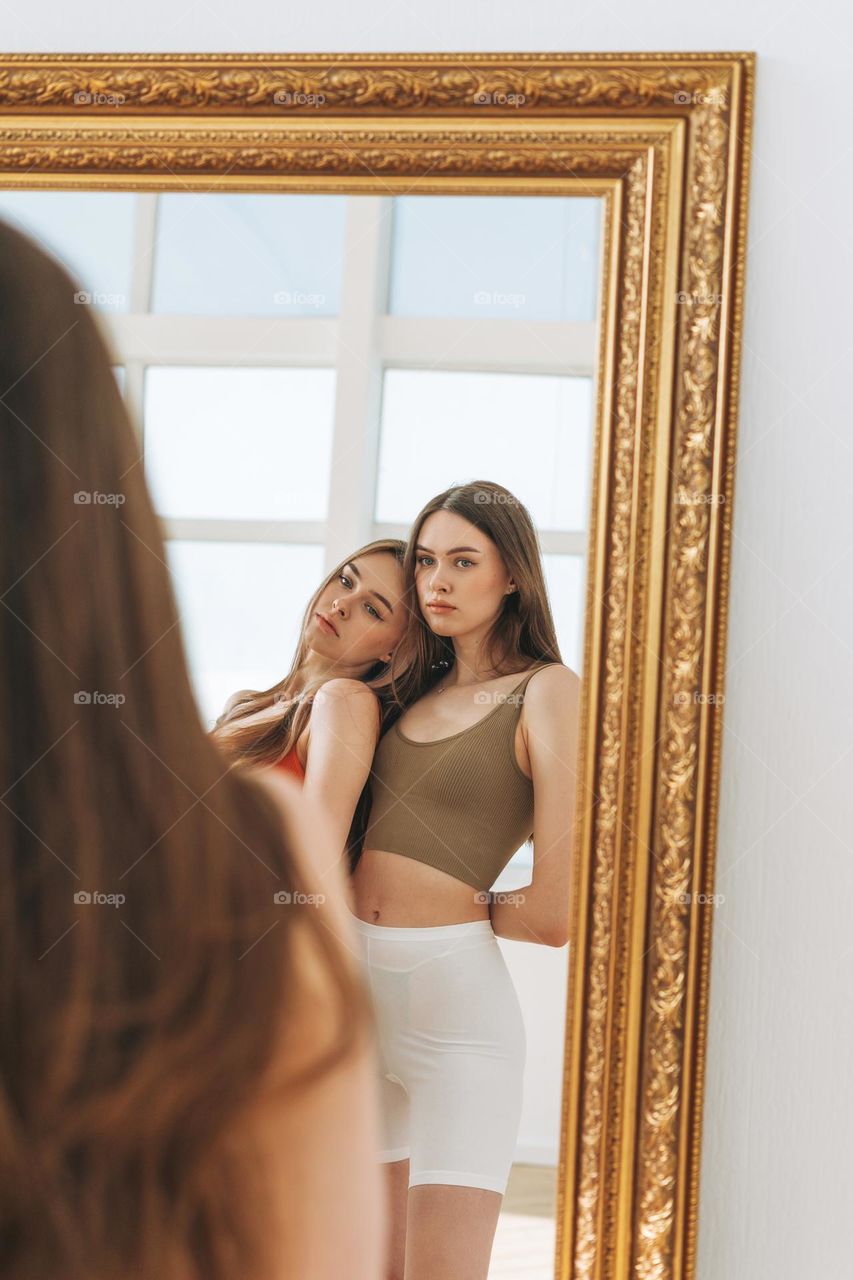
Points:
(349, 565)
(421, 547)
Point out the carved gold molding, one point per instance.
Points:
(359, 84)
(664, 139)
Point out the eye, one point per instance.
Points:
(369, 607)
(463, 560)
(422, 558)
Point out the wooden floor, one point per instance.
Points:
(526, 1234)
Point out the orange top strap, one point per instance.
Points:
(292, 764)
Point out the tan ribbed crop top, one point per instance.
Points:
(459, 803)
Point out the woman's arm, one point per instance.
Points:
(541, 911)
(343, 733)
(320, 1148)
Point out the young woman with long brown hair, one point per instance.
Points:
(322, 721)
(482, 759)
(186, 1065)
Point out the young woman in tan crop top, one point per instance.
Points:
(449, 1021)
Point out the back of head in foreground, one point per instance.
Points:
(136, 1027)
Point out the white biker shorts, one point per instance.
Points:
(452, 1049)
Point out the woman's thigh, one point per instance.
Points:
(464, 1069)
(450, 1232)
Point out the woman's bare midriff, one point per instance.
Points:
(391, 889)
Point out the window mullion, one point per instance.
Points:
(144, 239)
(358, 398)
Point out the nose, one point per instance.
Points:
(436, 582)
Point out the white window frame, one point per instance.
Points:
(359, 344)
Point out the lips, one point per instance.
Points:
(327, 622)
(439, 604)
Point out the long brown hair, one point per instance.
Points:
(523, 632)
(135, 1035)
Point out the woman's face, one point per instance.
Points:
(458, 565)
(364, 611)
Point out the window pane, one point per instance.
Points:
(515, 257)
(241, 606)
(565, 578)
(239, 443)
(518, 871)
(528, 432)
(91, 232)
(222, 254)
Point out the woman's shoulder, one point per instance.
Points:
(343, 699)
(346, 687)
(556, 672)
(552, 688)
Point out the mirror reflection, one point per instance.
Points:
(366, 425)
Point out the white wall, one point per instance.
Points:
(540, 976)
(778, 1134)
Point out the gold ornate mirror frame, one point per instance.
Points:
(664, 139)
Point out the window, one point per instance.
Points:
(241, 606)
(515, 257)
(228, 254)
(529, 432)
(239, 443)
(91, 232)
(307, 370)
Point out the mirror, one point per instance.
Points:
(307, 371)
(336, 285)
